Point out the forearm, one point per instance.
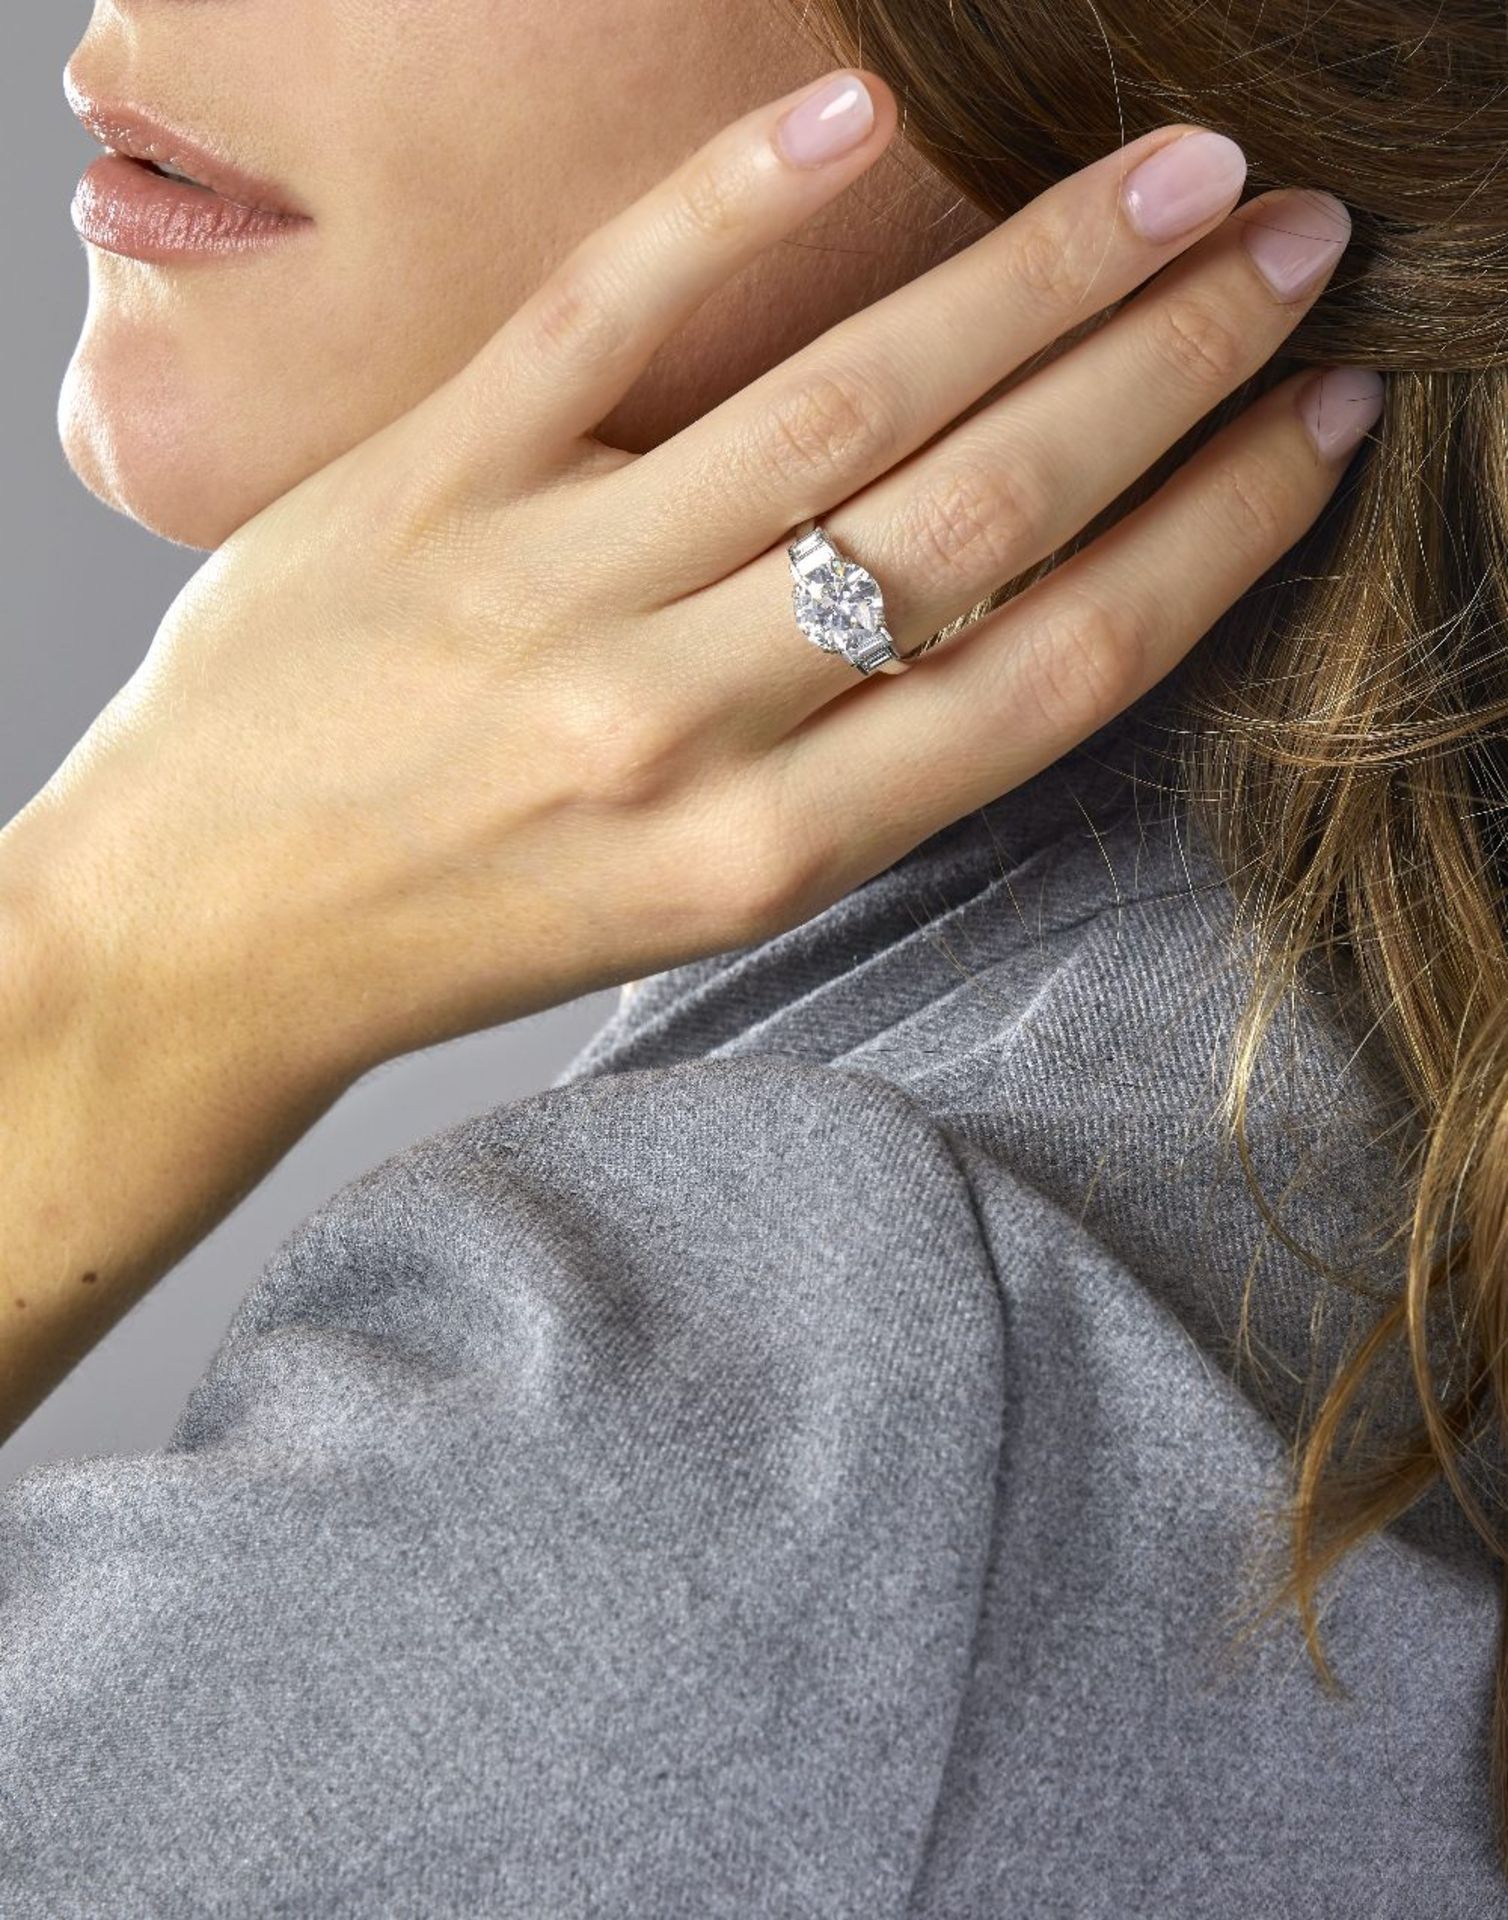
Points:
(142, 1095)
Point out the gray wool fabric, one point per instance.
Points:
(793, 1466)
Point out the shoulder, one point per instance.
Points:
(755, 1193)
(616, 1466)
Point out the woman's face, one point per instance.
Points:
(447, 153)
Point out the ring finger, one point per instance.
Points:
(1038, 676)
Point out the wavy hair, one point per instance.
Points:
(1343, 737)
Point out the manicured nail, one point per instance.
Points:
(828, 123)
(1339, 407)
(1295, 239)
(1184, 184)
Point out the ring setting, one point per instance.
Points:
(839, 606)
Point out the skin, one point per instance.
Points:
(450, 155)
(492, 708)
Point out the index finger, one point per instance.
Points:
(566, 357)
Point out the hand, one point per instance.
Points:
(487, 713)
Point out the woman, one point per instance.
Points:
(806, 1461)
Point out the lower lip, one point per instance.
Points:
(124, 207)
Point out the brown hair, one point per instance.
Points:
(1342, 727)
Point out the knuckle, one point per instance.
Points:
(423, 523)
(771, 875)
(711, 206)
(631, 770)
(1042, 260)
(1244, 501)
(1084, 664)
(981, 520)
(503, 602)
(1203, 349)
(827, 422)
(576, 315)
(468, 597)
(436, 549)
(611, 755)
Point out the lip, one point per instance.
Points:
(124, 206)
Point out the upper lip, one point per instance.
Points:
(139, 136)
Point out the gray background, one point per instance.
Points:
(83, 592)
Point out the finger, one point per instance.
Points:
(568, 354)
(881, 383)
(900, 759)
(1011, 485)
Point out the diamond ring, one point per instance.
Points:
(839, 607)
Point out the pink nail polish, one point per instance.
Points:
(1183, 184)
(828, 123)
(1339, 407)
(1294, 241)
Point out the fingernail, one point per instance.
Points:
(829, 122)
(1295, 240)
(1339, 407)
(1183, 184)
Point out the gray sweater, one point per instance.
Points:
(790, 1467)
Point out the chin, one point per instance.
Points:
(175, 450)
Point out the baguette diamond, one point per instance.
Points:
(838, 604)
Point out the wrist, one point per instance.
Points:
(142, 1101)
(98, 947)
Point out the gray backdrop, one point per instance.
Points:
(83, 592)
